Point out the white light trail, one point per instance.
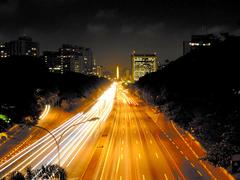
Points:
(44, 150)
(45, 112)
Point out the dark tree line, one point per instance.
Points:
(51, 171)
(26, 87)
(201, 92)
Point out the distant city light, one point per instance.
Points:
(117, 73)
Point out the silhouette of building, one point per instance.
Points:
(88, 60)
(126, 74)
(53, 61)
(143, 64)
(24, 46)
(198, 41)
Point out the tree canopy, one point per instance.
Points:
(201, 92)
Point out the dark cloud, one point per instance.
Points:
(97, 28)
(114, 28)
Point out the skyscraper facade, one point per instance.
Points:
(24, 46)
(143, 64)
(70, 58)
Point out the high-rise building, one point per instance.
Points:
(77, 59)
(198, 41)
(88, 63)
(24, 46)
(143, 64)
(126, 74)
(99, 71)
(4, 50)
(70, 58)
(53, 61)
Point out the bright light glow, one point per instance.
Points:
(117, 73)
(45, 112)
(44, 150)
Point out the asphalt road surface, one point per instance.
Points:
(138, 147)
(120, 137)
(73, 137)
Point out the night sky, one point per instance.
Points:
(114, 28)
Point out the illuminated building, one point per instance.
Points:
(143, 64)
(69, 58)
(77, 59)
(24, 46)
(198, 41)
(4, 50)
(53, 61)
(99, 71)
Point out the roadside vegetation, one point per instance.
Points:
(51, 171)
(201, 93)
(26, 87)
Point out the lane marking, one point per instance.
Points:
(173, 143)
(143, 177)
(139, 155)
(120, 177)
(209, 172)
(179, 171)
(156, 155)
(150, 141)
(122, 141)
(186, 158)
(177, 147)
(165, 175)
(181, 152)
(118, 165)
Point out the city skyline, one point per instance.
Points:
(114, 29)
(135, 90)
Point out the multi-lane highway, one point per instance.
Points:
(128, 141)
(139, 147)
(73, 137)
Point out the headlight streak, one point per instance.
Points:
(44, 150)
(36, 144)
(45, 112)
